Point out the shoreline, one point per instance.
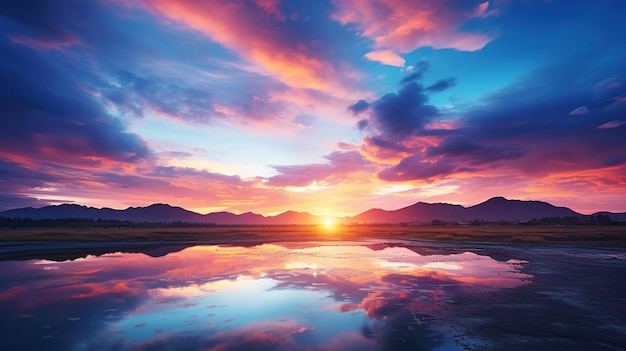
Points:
(68, 243)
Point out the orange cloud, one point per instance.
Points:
(266, 42)
(386, 57)
(404, 26)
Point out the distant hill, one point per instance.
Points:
(501, 209)
(617, 217)
(494, 209)
(419, 212)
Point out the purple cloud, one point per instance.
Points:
(521, 128)
(52, 120)
(416, 167)
(359, 107)
(442, 84)
(403, 114)
(418, 71)
(340, 165)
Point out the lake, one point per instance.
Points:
(361, 295)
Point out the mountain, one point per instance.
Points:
(158, 213)
(152, 213)
(501, 209)
(291, 217)
(419, 212)
(494, 209)
(227, 218)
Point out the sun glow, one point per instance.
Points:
(329, 225)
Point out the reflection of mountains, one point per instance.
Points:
(70, 251)
(495, 209)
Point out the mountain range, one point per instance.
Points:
(494, 209)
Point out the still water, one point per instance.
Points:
(282, 296)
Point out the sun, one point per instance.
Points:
(329, 225)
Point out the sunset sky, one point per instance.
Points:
(330, 107)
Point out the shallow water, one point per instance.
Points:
(366, 295)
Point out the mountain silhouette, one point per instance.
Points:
(494, 209)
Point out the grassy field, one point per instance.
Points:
(581, 235)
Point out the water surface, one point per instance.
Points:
(287, 296)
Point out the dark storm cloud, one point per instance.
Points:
(359, 107)
(442, 84)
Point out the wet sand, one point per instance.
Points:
(575, 301)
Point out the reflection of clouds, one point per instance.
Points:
(196, 290)
(443, 265)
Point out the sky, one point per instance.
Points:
(331, 107)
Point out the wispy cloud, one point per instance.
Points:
(397, 26)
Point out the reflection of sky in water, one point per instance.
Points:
(268, 297)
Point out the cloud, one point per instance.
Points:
(461, 146)
(521, 129)
(417, 72)
(35, 23)
(50, 121)
(304, 120)
(192, 173)
(18, 182)
(340, 165)
(382, 143)
(359, 107)
(362, 124)
(455, 145)
(403, 26)
(386, 57)
(290, 50)
(402, 114)
(442, 84)
(415, 167)
(582, 110)
(612, 124)
(136, 95)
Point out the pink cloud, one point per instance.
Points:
(582, 110)
(386, 57)
(341, 164)
(404, 26)
(47, 43)
(268, 43)
(271, 7)
(612, 124)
